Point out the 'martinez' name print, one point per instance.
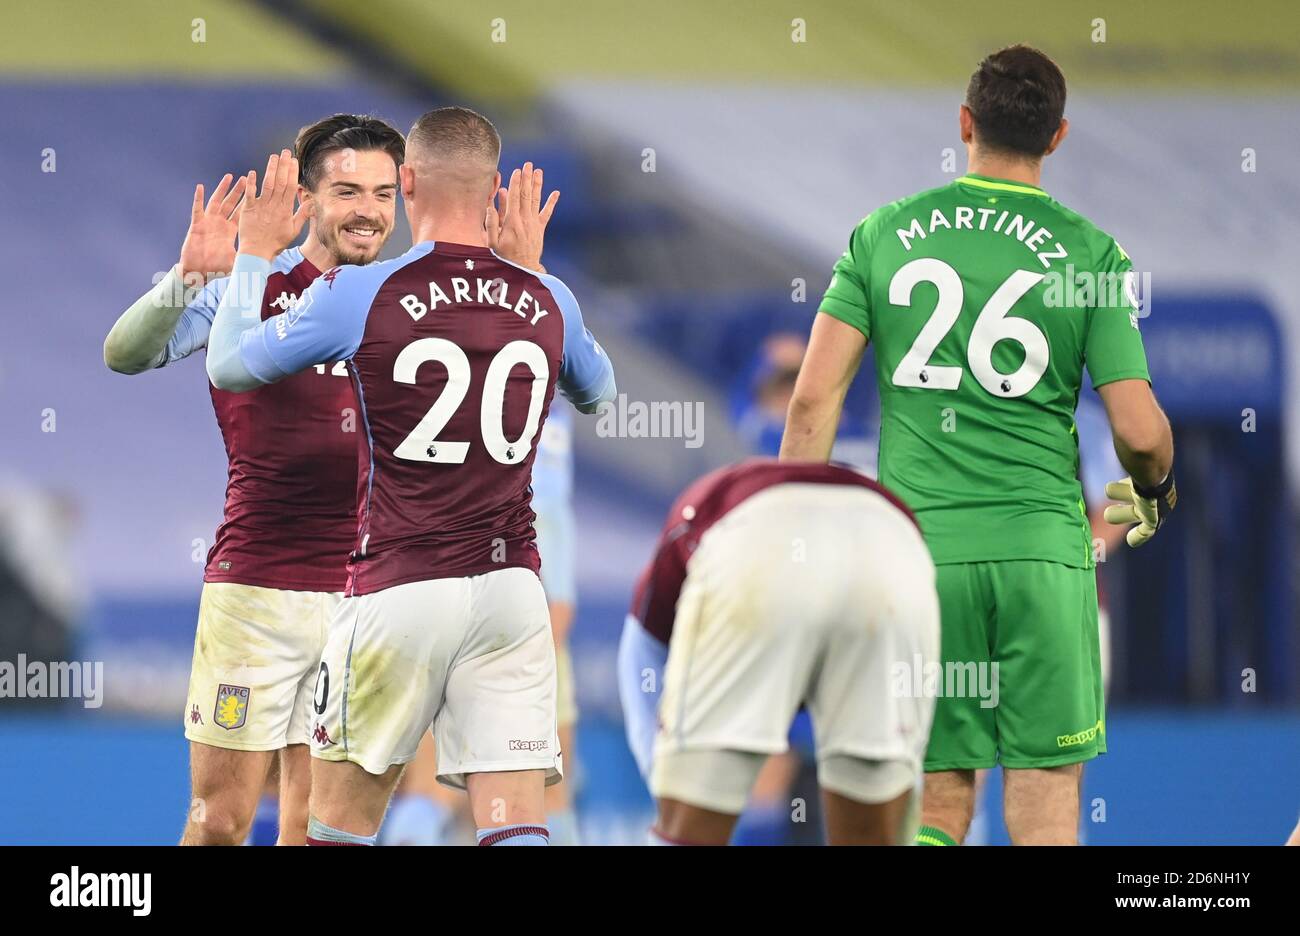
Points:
(964, 219)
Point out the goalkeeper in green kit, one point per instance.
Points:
(984, 300)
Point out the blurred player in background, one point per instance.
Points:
(556, 542)
(42, 597)
(967, 292)
(1097, 462)
(275, 573)
(454, 355)
(761, 398)
(423, 811)
(761, 401)
(778, 585)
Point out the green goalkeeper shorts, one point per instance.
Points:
(1021, 680)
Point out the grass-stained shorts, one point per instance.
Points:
(1021, 682)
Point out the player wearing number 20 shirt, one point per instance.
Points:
(984, 300)
(454, 355)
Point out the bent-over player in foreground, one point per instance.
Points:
(985, 299)
(777, 585)
(276, 571)
(454, 355)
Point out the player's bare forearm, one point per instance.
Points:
(834, 352)
(1144, 441)
(1148, 466)
(809, 430)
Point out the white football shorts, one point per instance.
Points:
(472, 657)
(805, 594)
(256, 653)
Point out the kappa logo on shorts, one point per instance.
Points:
(1081, 737)
(528, 745)
(232, 706)
(195, 717)
(321, 736)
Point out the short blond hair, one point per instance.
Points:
(455, 134)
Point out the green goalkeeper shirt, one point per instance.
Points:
(983, 301)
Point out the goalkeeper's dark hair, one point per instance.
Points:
(317, 143)
(1017, 99)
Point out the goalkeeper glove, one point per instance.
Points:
(1147, 507)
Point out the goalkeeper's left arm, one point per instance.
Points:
(1144, 443)
(834, 353)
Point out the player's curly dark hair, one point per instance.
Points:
(357, 132)
(1017, 99)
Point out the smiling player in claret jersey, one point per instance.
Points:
(276, 569)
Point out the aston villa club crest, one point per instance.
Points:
(232, 707)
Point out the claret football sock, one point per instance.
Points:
(526, 834)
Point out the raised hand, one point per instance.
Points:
(518, 230)
(268, 223)
(209, 247)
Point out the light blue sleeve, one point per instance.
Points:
(556, 544)
(326, 324)
(641, 662)
(586, 374)
(195, 323)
